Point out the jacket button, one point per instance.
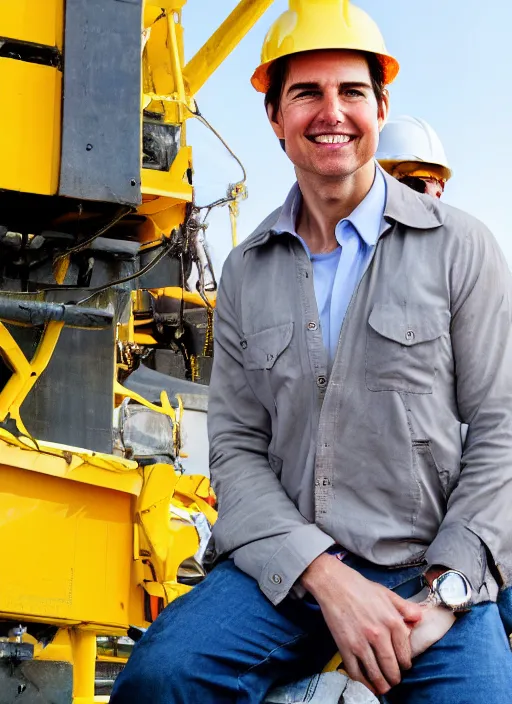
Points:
(312, 326)
(321, 382)
(409, 335)
(243, 344)
(276, 579)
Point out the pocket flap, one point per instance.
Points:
(409, 324)
(262, 349)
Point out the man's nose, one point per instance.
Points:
(332, 109)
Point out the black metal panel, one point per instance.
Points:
(160, 144)
(166, 273)
(36, 682)
(101, 138)
(71, 403)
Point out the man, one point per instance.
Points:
(356, 329)
(411, 151)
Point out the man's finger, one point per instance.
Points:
(409, 610)
(373, 670)
(401, 638)
(387, 661)
(351, 666)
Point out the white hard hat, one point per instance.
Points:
(409, 140)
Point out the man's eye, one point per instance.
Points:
(307, 94)
(354, 93)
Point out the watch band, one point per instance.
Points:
(435, 598)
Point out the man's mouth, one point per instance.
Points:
(330, 138)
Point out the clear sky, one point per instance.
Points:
(455, 73)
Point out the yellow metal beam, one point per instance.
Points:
(83, 644)
(222, 42)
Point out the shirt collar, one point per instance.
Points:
(403, 205)
(289, 211)
(366, 219)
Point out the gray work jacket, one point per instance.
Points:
(368, 456)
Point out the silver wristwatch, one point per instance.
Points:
(451, 589)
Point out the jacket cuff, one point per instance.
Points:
(301, 547)
(458, 548)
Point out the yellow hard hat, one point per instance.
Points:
(311, 25)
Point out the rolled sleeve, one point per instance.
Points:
(296, 552)
(259, 526)
(458, 548)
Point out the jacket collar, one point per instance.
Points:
(403, 205)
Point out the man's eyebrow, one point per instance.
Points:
(316, 86)
(302, 86)
(355, 84)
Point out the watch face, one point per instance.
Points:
(453, 590)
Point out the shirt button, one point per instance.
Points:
(321, 382)
(276, 579)
(409, 335)
(243, 344)
(312, 326)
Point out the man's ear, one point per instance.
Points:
(274, 117)
(383, 110)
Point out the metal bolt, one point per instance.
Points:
(18, 632)
(133, 182)
(88, 147)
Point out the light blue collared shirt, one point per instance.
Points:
(337, 274)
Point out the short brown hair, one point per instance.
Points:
(278, 72)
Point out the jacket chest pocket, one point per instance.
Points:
(263, 361)
(403, 348)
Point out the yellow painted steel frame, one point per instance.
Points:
(170, 88)
(25, 373)
(83, 521)
(33, 21)
(70, 515)
(220, 45)
(30, 100)
(30, 103)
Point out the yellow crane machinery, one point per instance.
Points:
(105, 346)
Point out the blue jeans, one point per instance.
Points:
(225, 643)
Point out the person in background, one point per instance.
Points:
(411, 151)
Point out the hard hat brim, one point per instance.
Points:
(261, 82)
(437, 170)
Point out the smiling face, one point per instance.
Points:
(328, 115)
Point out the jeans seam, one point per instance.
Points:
(268, 656)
